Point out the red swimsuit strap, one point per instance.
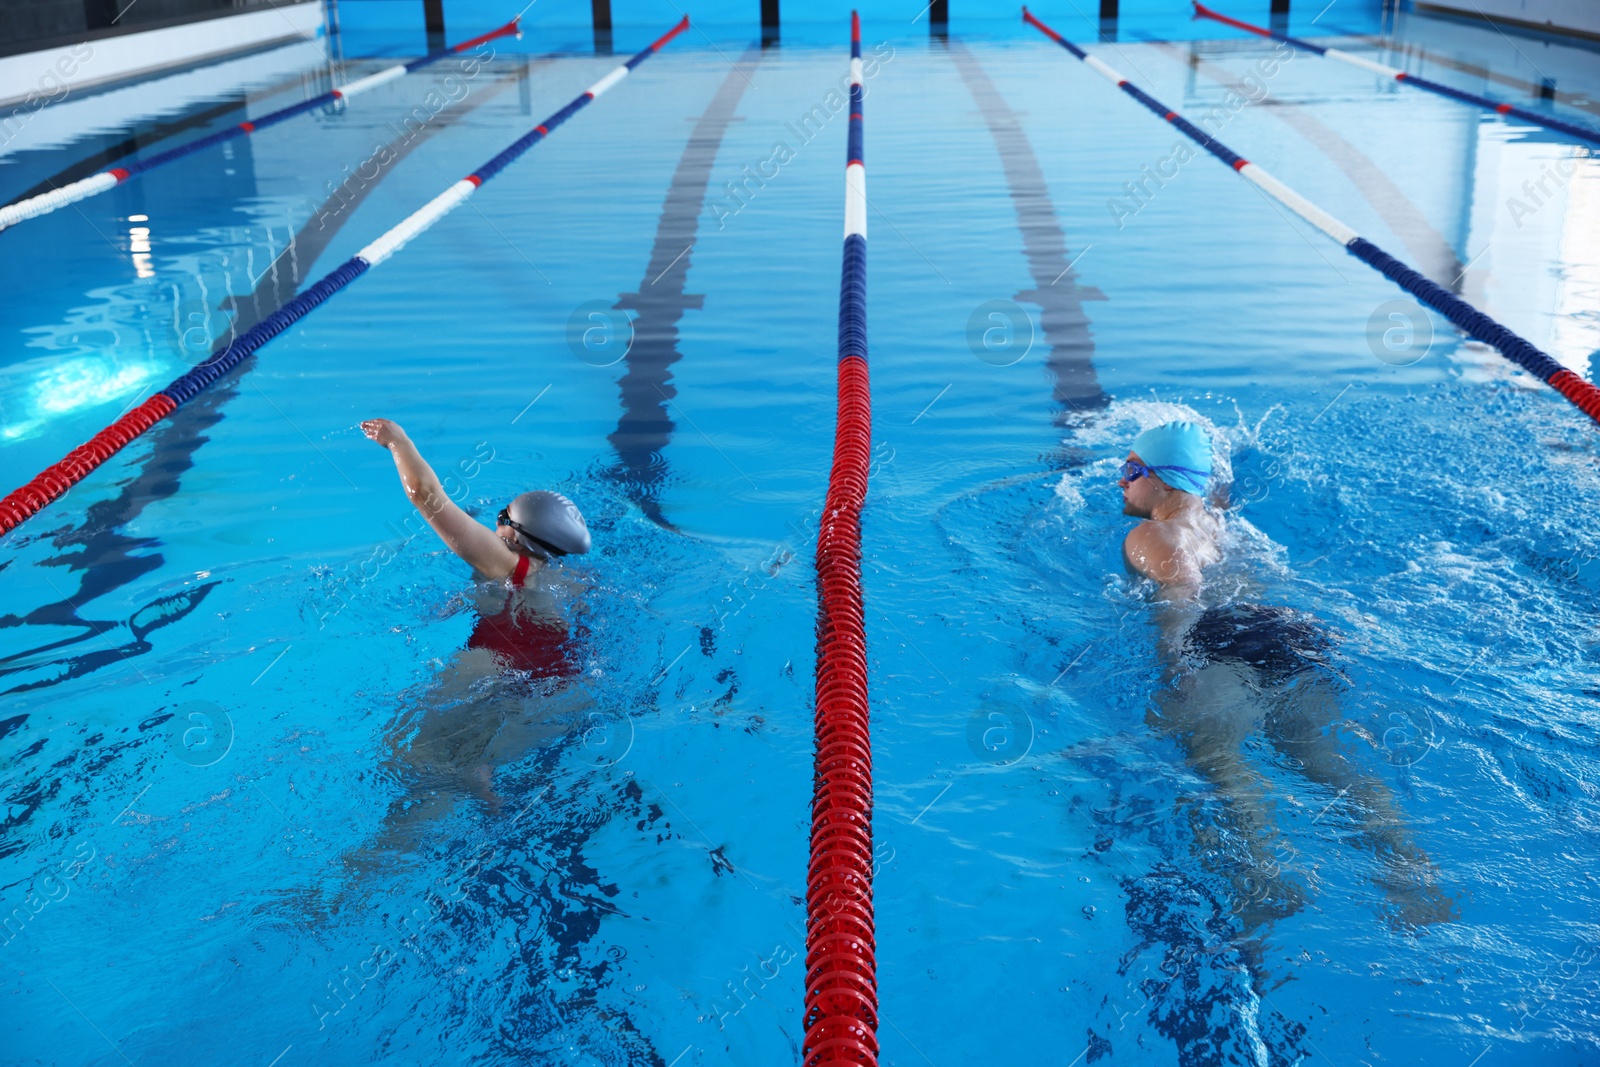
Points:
(522, 570)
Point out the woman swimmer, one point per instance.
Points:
(509, 692)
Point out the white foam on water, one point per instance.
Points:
(1069, 493)
(1110, 431)
(1248, 552)
(1243, 542)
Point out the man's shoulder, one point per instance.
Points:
(1152, 534)
(1143, 541)
(1154, 549)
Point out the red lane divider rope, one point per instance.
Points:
(58, 477)
(841, 1018)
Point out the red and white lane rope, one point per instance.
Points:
(1383, 70)
(1468, 319)
(58, 478)
(82, 189)
(841, 1020)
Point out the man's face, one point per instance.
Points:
(1140, 497)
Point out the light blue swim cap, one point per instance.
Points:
(1180, 452)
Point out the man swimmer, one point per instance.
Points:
(1240, 669)
(529, 531)
(1163, 481)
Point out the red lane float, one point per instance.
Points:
(841, 1020)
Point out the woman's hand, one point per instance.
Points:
(386, 433)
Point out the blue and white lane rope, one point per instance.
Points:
(57, 479)
(1468, 319)
(84, 188)
(853, 301)
(1549, 122)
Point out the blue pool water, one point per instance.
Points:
(267, 802)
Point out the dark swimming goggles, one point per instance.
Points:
(504, 519)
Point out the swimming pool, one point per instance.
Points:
(1055, 880)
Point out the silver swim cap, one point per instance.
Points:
(546, 524)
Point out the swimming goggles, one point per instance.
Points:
(1133, 470)
(504, 519)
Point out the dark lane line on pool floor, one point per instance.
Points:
(644, 428)
(1472, 322)
(1426, 244)
(1055, 287)
(1217, 977)
(106, 554)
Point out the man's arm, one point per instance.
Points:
(464, 535)
(1151, 551)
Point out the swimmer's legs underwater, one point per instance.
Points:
(1305, 723)
(1212, 713)
(447, 744)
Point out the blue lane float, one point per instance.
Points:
(57, 479)
(1474, 323)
